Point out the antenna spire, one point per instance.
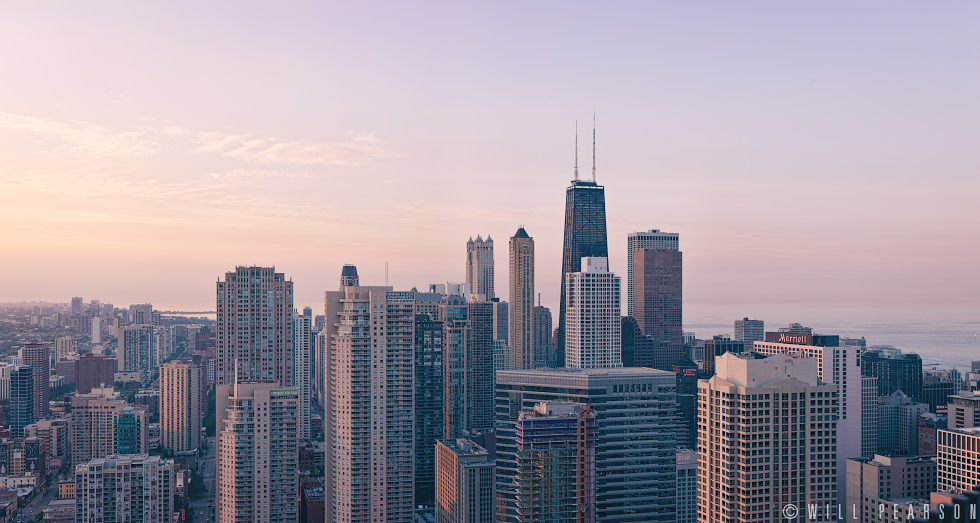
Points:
(593, 147)
(576, 150)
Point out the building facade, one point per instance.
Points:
(94, 371)
(895, 371)
(180, 406)
(521, 305)
(428, 404)
(592, 317)
(749, 331)
(38, 356)
(957, 460)
(303, 345)
(102, 425)
(123, 488)
(21, 399)
(652, 239)
(756, 452)
(464, 482)
(658, 302)
(479, 267)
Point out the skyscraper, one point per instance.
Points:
(479, 267)
(479, 367)
(555, 455)
(757, 453)
(255, 328)
(636, 445)
(66, 346)
(895, 371)
(521, 313)
(370, 466)
(180, 406)
(544, 347)
(21, 399)
(102, 424)
(585, 235)
(38, 356)
(428, 404)
(135, 348)
(658, 302)
(303, 344)
(957, 459)
(748, 331)
(652, 239)
(593, 321)
(257, 458)
(349, 277)
(92, 371)
(119, 488)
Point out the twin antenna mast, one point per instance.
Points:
(593, 149)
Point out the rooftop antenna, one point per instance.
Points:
(593, 147)
(386, 273)
(539, 299)
(576, 150)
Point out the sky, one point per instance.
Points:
(806, 152)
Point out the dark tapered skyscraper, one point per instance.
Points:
(585, 233)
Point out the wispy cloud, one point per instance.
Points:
(82, 137)
(250, 174)
(358, 150)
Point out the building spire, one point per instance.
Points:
(576, 150)
(593, 147)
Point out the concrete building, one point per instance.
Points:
(255, 328)
(135, 348)
(869, 416)
(124, 488)
(635, 241)
(544, 347)
(898, 424)
(555, 463)
(958, 460)
(687, 486)
(38, 356)
(963, 411)
(96, 335)
(464, 482)
(467, 366)
(757, 452)
(303, 358)
(717, 346)
(370, 462)
(879, 481)
(257, 458)
(102, 424)
(749, 331)
(180, 406)
(65, 346)
(636, 445)
(658, 302)
(840, 365)
(479, 267)
(592, 317)
(585, 236)
(94, 371)
(521, 305)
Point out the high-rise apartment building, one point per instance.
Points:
(141, 314)
(836, 364)
(21, 399)
(869, 416)
(555, 463)
(348, 277)
(135, 348)
(428, 404)
(94, 371)
(123, 488)
(501, 321)
(255, 327)
(464, 482)
(65, 346)
(180, 406)
(652, 239)
(38, 356)
(658, 302)
(467, 366)
(898, 424)
(102, 424)
(257, 458)
(749, 331)
(370, 462)
(76, 305)
(479, 267)
(544, 347)
(957, 459)
(592, 317)
(521, 305)
(585, 236)
(635, 448)
(303, 345)
(881, 481)
(96, 335)
(895, 371)
(320, 346)
(767, 435)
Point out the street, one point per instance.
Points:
(204, 508)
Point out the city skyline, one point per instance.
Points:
(845, 156)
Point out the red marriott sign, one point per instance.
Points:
(796, 338)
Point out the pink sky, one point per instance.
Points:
(810, 153)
